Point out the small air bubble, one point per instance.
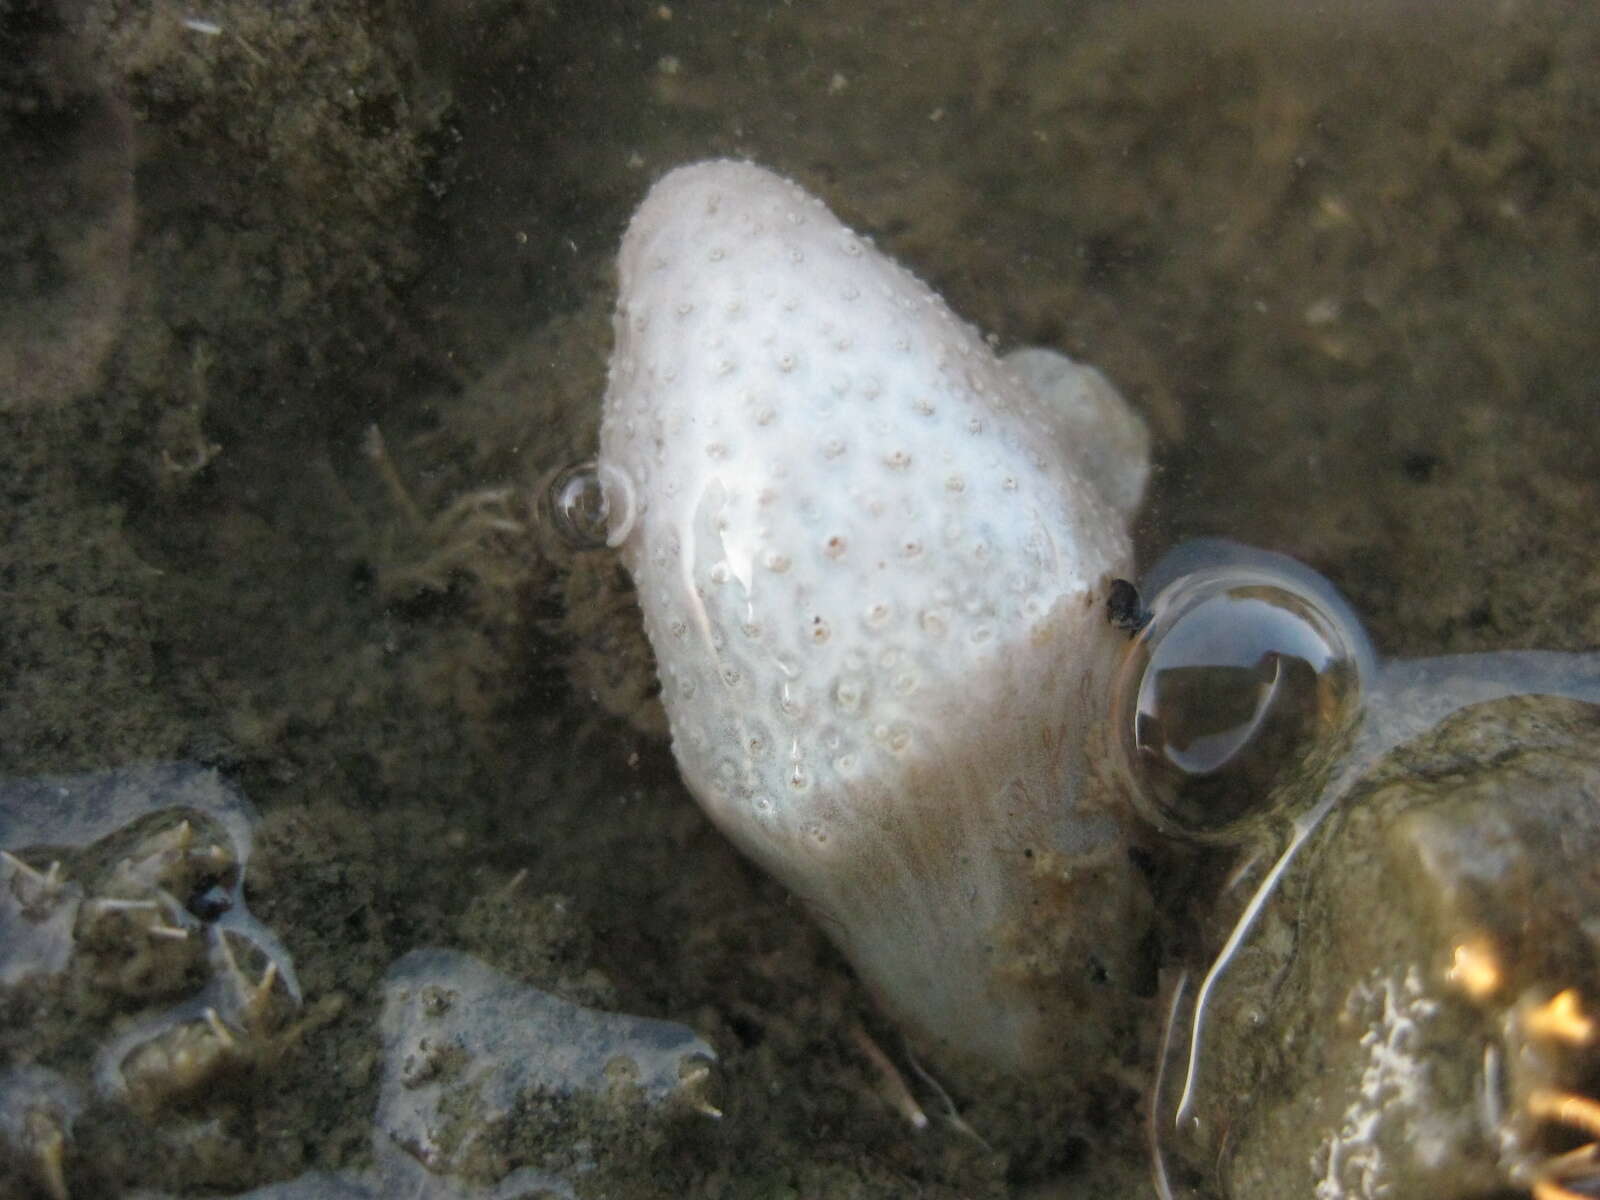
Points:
(589, 506)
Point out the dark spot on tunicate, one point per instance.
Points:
(1124, 609)
(209, 899)
(1419, 465)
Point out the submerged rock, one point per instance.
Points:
(1413, 1015)
(483, 1074)
(131, 969)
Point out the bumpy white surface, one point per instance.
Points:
(872, 565)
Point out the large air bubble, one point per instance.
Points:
(1244, 666)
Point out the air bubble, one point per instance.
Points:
(1243, 674)
(589, 505)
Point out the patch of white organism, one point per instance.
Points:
(1392, 1009)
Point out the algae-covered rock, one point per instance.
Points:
(1413, 1015)
(483, 1075)
(132, 973)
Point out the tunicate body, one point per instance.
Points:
(872, 560)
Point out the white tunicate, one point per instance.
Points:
(854, 492)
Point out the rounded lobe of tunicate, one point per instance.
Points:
(1239, 671)
(1109, 441)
